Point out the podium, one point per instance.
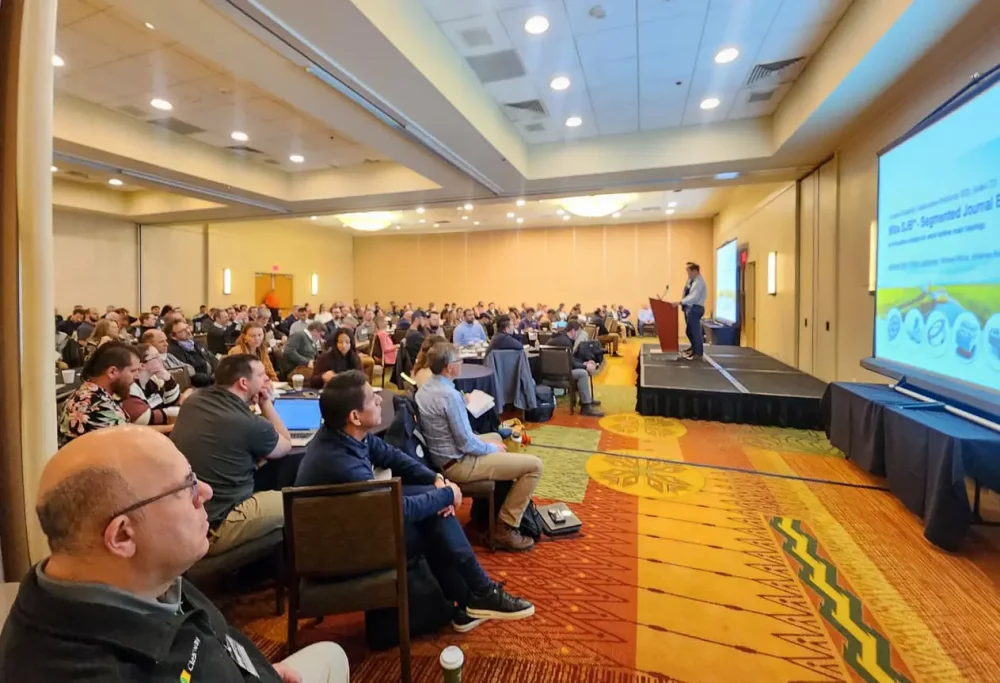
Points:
(665, 317)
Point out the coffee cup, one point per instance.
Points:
(68, 376)
(452, 660)
(297, 381)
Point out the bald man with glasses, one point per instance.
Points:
(125, 518)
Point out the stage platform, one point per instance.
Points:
(731, 384)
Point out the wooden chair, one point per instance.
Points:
(346, 553)
(449, 332)
(555, 367)
(182, 378)
(378, 357)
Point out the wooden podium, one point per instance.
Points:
(665, 317)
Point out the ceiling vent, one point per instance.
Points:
(651, 208)
(535, 128)
(497, 66)
(243, 149)
(528, 110)
(133, 111)
(77, 174)
(476, 37)
(761, 96)
(772, 71)
(177, 126)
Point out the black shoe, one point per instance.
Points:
(595, 402)
(696, 358)
(496, 603)
(463, 623)
(616, 355)
(588, 410)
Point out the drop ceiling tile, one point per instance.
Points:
(605, 100)
(719, 80)
(179, 66)
(267, 109)
(609, 73)
(610, 45)
(743, 109)
(682, 34)
(540, 132)
(784, 44)
(675, 65)
(478, 35)
(81, 53)
(653, 10)
(617, 14)
(794, 14)
(551, 56)
(743, 15)
(694, 115)
(553, 10)
(747, 41)
(561, 105)
(100, 86)
(618, 121)
(449, 10)
(512, 90)
(104, 28)
(656, 116)
(71, 11)
(663, 92)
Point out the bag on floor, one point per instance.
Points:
(546, 405)
(531, 522)
(549, 516)
(430, 611)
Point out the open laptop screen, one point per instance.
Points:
(299, 414)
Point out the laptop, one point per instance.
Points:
(301, 416)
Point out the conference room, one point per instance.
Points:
(545, 340)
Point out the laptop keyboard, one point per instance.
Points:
(301, 438)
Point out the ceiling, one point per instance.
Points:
(382, 103)
(633, 65)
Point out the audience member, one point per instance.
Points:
(324, 316)
(529, 321)
(147, 322)
(86, 328)
(582, 370)
(224, 441)
(340, 357)
(420, 372)
(344, 451)
(107, 379)
(622, 314)
(465, 457)
(432, 325)
(202, 318)
(104, 331)
(251, 342)
(158, 340)
(415, 336)
(365, 331)
(70, 326)
(301, 348)
(389, 348)
(503, 340)
(152, 391)
(125, 518)
(469, 331)
(405, 320)
(603, 334)
(222, 333)
(645, 318)
(185, 349)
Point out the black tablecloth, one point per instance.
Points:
(928, 455)
(852, 414)
(479, 377)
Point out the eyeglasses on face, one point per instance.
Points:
(190, 482)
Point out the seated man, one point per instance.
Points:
(582, 370)
(415, 337)
(301, 320)
(343, 451)
(158, 340)
(365, 332)
(603, 335)
(153, 390)
(302, 347)
(405, 320)
(528, 321)
(223, 440)
(107, 380)
(125, 518)
(645, 318)
(222, 333)
(503, 340)
(465, 457)
(468, 331)
(86, 328)
(185, 349)
(486, 321)
(72, 324)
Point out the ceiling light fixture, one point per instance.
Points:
(423, 220)
(520, 220)
(116, 182)
(616, 215)
(370, 221)
(420, 209)
(510, 214)
(565, 218)
(728, 175)
(671, 205)
(465, 218)
(536, 25)
(58, 61)
(436, 225)
(467, 207)
(520, 202)
(560, 212)
(710, 103)
(150, 26)
(726, 55)
(559, 83)
(475, 223)
(669, 212)
(239, 136)
(312, 218)
(596, 206)
(55, 169)
(296, 158)
(160, 104)
(573, 121)
(397, 227)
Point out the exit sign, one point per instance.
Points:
(274, 269)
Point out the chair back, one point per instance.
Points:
(377, 349)
(399, 335)
(449, 332)
(304, 370)
(555, 361)
(591, 331)
(344, 530)
(182, 378)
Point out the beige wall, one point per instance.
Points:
(763, 218)
(95, 261)
(601, 264)
(296, 247)
(174, 259)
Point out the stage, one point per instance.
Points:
(731, 384)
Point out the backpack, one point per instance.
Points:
(430, 611)
(546, 405)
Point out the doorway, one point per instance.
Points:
(750, 304)
(281, 283)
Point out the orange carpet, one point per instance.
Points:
(701, 574)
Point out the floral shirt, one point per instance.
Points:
(89, 408)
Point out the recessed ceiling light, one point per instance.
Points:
(710, 103)
(573, 121)
(560, 212)
(423, 220)
(467, 207)
(559, 83)
(160, 104)
(536, 25)
(520, 220)
(510, 214)
(726, 55)
(296, 158)
(312, 218)
(150, 26)
(465, 218)
(671, 205)
(669, 212)
(520, 202)
(565, 218)
(397, 227)
(728, 175)
(436, 224)
(55, 169)
(420, 209)
(616, 215)
(239, 136)
(475, 222)
(58, 61)
(115, 182)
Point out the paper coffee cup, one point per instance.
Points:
(297, 381)
(452, 660)
(68, 376)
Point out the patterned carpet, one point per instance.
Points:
(718, 573)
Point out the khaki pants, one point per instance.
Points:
(368, 365)
(612, 338)
(320, 663)
(522, 469)
(257, 516)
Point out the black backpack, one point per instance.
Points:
(546, 405)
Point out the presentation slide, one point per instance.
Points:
(726, 282)
(938, 276)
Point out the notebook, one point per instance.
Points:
(301, 416)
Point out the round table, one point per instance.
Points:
(474, 377)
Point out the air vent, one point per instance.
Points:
(77, 174)
(535, 128)
(243, 149)
(761, 96)
(476, 37)
(528, 110)
(651, 208)
(497, 66)
(372, 161)
(177, 126)
(273, 162)
(133, 111)
(771, 70)
(442, 222)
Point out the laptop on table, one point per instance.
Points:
(301, 416)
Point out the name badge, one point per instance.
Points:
(240, 656)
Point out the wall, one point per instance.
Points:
(296, 247)
(601, 264)
(94, 261)
(971, 47)
(174, 259)
(763, 218)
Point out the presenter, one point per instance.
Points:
(693, 304)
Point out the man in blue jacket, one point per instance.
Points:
(344, 452)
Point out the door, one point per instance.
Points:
(280, 283)
(750, 304)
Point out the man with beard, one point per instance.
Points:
(107, 379)
(86, 328)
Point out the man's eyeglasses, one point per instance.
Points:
(190, 482)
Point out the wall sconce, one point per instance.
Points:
(315, 284)
(872, 255)
(227, 281)
(772, 272)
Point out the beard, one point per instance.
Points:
(121, 388)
